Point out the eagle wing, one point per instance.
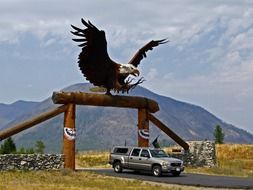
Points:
(94, 61)
(141, 53)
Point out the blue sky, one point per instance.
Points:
(208, 61)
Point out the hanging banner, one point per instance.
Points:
(70, 133)
(143, 133)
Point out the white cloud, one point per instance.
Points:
(48, 42)
(243, 40)
(152, 74)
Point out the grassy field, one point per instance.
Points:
(68, 180)
(232, 160)
(92, 159)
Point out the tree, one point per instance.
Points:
(8, 146)
(23, 150)
(39, 147)
(30, 151)
(219, 135)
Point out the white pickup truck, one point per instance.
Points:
(144, 159)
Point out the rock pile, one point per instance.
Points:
(31, 161)
(200, 154)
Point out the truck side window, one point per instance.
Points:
(136, 152)
(145, 153)
(120, 150)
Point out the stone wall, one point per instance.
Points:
(31, 161)
(200, 154)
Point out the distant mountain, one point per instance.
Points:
(101, 128)
(9, 112)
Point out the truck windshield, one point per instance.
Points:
(158, 153)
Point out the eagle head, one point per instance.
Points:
(128, 69)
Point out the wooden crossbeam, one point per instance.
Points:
(81, 98)
(168, 131)
(31, 122)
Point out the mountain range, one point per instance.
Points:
(103, 127)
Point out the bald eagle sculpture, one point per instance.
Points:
(98, 68)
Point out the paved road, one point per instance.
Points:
(185, 179)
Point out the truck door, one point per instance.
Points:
(134, 159)
(144, 160)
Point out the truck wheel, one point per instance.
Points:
(117, 167)
(157, 171)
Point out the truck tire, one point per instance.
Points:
(117, 167)
(157, 170)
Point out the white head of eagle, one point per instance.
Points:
(128, 69)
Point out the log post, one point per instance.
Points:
(69, 137)
(143, 128)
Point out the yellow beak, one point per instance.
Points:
(136, 72)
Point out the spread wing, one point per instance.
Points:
(94, 61)
(141, 53)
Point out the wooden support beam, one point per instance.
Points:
(143, 128)
(168, 131)
(69, 137)
(82, 98)
(31, 122)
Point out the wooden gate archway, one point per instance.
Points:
(144, 105)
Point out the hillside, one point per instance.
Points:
(9, 112)
(101, 128)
